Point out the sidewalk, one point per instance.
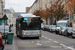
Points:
(11, 46)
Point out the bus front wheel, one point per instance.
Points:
(17, 36)
(37, 37)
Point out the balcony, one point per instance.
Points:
(3, 3)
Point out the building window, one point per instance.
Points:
(9, 15)
(9, 20)
(14, 20)
(4, 10)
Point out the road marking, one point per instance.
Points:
(39, 44)
(46, 38)
(50, 39)
(67, 47)
(56, 46)
(55, 41)
(42, 36)
(32, 41)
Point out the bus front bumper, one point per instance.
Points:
(31, 36)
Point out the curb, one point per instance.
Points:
(15, 44)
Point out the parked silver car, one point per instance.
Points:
(63, 31)
(42, 26)
(45, 27)
(49, 27)
(53, 28)
(2, 30)
(69, 31)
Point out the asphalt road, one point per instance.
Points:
(48, 41)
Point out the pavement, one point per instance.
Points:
(10, 46)
(48, 41)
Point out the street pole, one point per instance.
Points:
(4, 31)
(4, 18)
(51, 11)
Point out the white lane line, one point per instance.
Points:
(50, 39)
(55, 41)
(63, 45)
(32, 41)
(42, 36)
(67, 47)
(45, 37)
(56, 46)
(39, 44)
(71, 48)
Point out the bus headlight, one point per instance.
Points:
(24, 33)
(38, 33)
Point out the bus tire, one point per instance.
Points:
(17, 36)
(37, 37)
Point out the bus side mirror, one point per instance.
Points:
(41, 21)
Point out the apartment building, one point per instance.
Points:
(43, 5)
(2, 5)
(9, 16)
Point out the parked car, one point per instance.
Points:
(69, 31)
(45, 27)
(73, 30)
(53, 28)
(2, 30)
(61, 23)
(63, 31)
(42, 26)
(49, 27)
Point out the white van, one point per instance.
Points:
(73, 30)
(61, 23)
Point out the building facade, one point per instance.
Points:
(2, 5)
(43, 5)
(9, 16)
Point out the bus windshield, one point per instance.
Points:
(31, 24)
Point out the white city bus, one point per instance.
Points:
(28, 25)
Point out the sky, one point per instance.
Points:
(18, 5)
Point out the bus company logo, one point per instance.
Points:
(32, 32)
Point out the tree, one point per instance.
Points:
(70, 6)
(58, 9)
(45, 14)
(36, 12)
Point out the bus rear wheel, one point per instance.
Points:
(37, 37)
(17, 36)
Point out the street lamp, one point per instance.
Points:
(51, 9)
(4, 18)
